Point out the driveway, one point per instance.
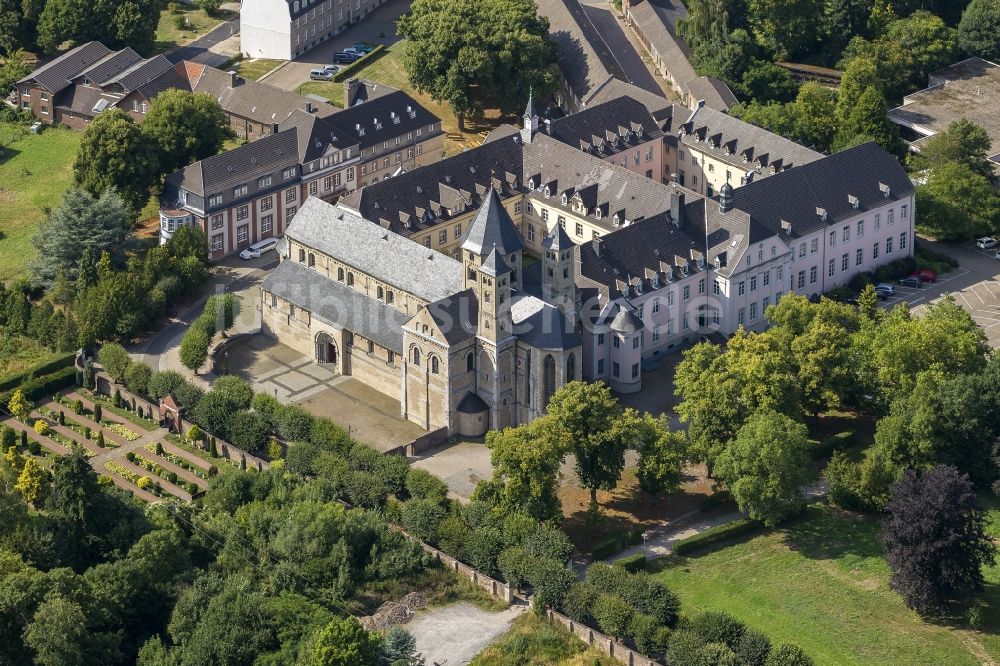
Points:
(454, 634)
(611, 28)
(379, 27)
(213, 48)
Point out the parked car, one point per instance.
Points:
(353, 51)
(985, 242)
(925, 275)
(886, 287)
(320, 75)
(344, 58)
(911, 281)
(997, 255)
(333, 69)
(259, 248)
(362, 47)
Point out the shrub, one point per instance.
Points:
(34, 448)
(117, 398)
(172, 477)
(62, 418)
(684, 647)
(717, 654)
(642, 629)
(212, 471)
(130, 456)
(641, 591)
(41, 427)
(144, 482)
(137, 376)
(716, 535)
(451, 536)
(49, 367)
(605, 549)
(329, 436)
(301, 458)
(579, 601)
(421, 518)
(115, 360)
(8, 438)
(124, 432)
(78, 407)
(294, 423)
(633, 563)
(210, 7)
(786, 654)
(86, 432)
(843, 478)
(717, 627)
(753, 648)
(46, 385)
(194, 434)
(100, 439)
(24, 438)
(515, 565)
(180, 22)
(98, 413)
(612, 614)
(421, 484)
(859, 281)
(274, 450)
(550, 580)
(545, 541)
(212, 449)
(191, 487)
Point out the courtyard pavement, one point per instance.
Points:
(456, 633)
(460, 465)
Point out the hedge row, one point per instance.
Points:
(605, 549)
(632, 563)
(42, 386)
(345, 72)
(836, 442)
(63, 360)
(716, 535)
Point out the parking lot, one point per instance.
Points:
(982, 300)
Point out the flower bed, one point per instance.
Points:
(119, 429)
(127, 414)
(141, 482)
(162, 472)
(177, 460)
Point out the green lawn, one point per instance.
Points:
(35, 170)
(387, 67)
(168, 35)
(822, 583)
(252, 70)
(19, 352)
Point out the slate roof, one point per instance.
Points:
(607, 129)
(383, 118)
(715, 93)
(557, 239)
(56, 74)
(456, 316)
(825, 184)
(110, 66)
(315, 135)
(472, 404)
(626, 321)
(742, 144)
(260, 102)
(494, 265)
(584, 58)
(614, 88)
(492, 229)
(540, 324)
(337, 304)
(146, 72)
(389, 257)
(82, 100)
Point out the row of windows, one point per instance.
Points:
(741, 314)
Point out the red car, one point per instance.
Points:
(925, 275)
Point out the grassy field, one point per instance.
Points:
(35, 170)
(387, 68)
(822, 583)
(252, 70)
(168, 35)
(18, 353)
(531, 641)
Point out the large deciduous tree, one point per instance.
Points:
(185, 127)
(767, 466)
(935, 540)
(83, 223)
(472, 52)
(978, 29)
(194, 348)
(786, 28)
(116, 23)
(115, 154)
(956, 203)
(963, 142)
(344, 642)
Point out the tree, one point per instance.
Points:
(868, 120)
(116, 23)
(399, 648)
(32, 482)
(115, 360)
(786, 654)
(220, 312)
(137, 376)
(467, 51)
(613, 615)
(14, 67)
(786, 28)
(194, 348)
(234, 390)
(189, 241)
(551, 580)
(344, 642)
(956, 203)
(19, 406)
(978, 30)
(82, 228)
(114, 153)
(525, 463)
(860, 73)
(662, 456)
(711, 21)
(248, 431)
(587, 421)
(814, 116)
(185, 127)
(163, 383)
(766, 81)
(58, 634)
(935, 539)
(421, 518)
(767, 466)
(214, 412)
(210, 7)
(963, 142)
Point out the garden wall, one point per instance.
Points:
(492, 586)
(604, 643)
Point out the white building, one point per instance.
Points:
(285, 29)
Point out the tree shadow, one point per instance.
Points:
(7, 153)
(827, 533)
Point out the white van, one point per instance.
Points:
(320, 75)
(259, 248)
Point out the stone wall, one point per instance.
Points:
(604, 643)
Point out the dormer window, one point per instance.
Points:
(718, 263)
(532, 184)
(565, 199)
(618, 220)
(597, 213)
(854, 201)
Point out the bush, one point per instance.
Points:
(137, 376)
(329, 436)
(98, 413)
(57, 363)
(62, 418)
(716, 535)
(786, 654)
(100, 440)
(180, 22)
(78, 407)
(86, 432)
(753, 648)
(210, 7)
(641, 591)
(130, 456)
(515, 566)
(294, 423)
(642, 630)
(45, 385)
(605, 549)
(633, 563)
(172, 477)
(612, 615)
(843, 478)
(579, 602)
(144, 482)
(421, 484)
(266, 405)
(8, 438)
(421, 518)
(24, 438)
(274, 450)
(115, 360)
(717, 627)
(550, 580)
(41, 427)
(684, 648)
(347, 72)
(859, 281)
(34, 448)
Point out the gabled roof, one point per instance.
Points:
(109, 67)
(585, 60)
(493, 229)
(260, 102)
(337, 304)
(825, 184)
(456, 316)
(315, 135)
(494, 265)
(626, 119)
(557, 239)
(144, 73)
(387, 256)
(56, 74)
(383, 118)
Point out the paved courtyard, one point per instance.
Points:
(455, 634)
(460, 465)
(371, 416)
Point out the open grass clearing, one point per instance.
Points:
(387, 67)
(253, 69)
(197, 23)
(35, 170)
(822, 582)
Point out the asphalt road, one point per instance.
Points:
(612, 31)
(370, 29)
(198, 50)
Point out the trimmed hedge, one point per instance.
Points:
(42, 386)
(605, 549)
(716, 535)
(345, 72)
(632, 563)
(61, 361)
(836, 442)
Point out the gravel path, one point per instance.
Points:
(454, 634)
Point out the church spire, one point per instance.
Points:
(530, 119)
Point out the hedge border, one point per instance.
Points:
(631, 563)
(360, 63)
(61, 361)
(42, 386)
(716, 535)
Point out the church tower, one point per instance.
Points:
(559, 272)
(530, 127)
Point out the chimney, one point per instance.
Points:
(677, 209)
(274, 128)
(597, 245)
(232, 78)
(350, 89)
(309, 107)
